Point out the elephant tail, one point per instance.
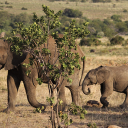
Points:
(82, 74)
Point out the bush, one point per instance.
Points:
(125, 10)
(6, 2)
(117, 40)
(100, 34)
(9, 7)
(23, 8)
(116, 18)
(72, 13)
(90, 41)
(104, 1)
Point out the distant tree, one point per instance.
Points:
(72, 13)
(122, 27)
(117, 40)
(24, 18)
(116, 18)
(89, 42)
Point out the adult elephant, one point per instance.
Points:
(110, 79)
(17, 73)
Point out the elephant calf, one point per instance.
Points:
(110, 79)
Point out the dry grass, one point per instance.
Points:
(25, 118)
(89, 9)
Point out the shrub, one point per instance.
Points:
(90, 41)
(6, 2)
(85, 41)
(9, 7)
(104, 1)
(72, 13)
(125, 10)
(23, 8)
(100, 34)
(116, 18)
(122, 27)
(117, 40)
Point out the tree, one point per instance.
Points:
(32, 37)
(116, 18)
(117, 40)
(72, 13)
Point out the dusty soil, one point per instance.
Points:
(24, 117)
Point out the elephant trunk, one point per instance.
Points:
(84, 90)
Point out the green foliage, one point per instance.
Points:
(72, 13)
(39, 110)
(116, 18)
(107, 26)
(117, 40)
(64, 118)
(51, 100)
(121, 27)
(7, 21)
(100, 34)
(90, 41)
(77, 110)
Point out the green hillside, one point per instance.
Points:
(90, 10)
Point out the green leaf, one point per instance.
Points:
(69, 80)
(39, 80)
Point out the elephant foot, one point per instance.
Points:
(104, 102)
(8, 110)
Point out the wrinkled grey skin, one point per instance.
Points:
(110, 79)
(16, 74)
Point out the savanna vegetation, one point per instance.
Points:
(105, 45)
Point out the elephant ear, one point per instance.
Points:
(102, 74)
(14, 60)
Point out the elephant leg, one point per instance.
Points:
(13, 83)
(30, 84)
(106, 90)
(74, 94)
(104, 101)
(31, 93)
(61, 96)
(125, 104)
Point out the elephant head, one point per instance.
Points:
(94, 76)
(8, 59)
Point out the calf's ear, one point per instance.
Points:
(102, 75)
